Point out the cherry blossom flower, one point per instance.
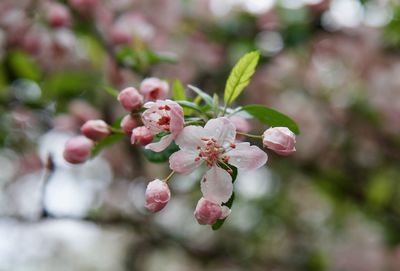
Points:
(280, 139)
(214, 145)
(163, 116)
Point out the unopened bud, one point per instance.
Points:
(77, 149)
(157, 195)
(130, 99)
(95, 129)
(141, 135)
(128, 124)
(58, 15)
(280, 139)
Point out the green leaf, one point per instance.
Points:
(178, 91)
(112, 91)
(271, 117)
(68, 84)
(229, 203)
(24, 66)
(206, 98)
(178, 94)
(240, 76)
(157, 57)
(187, 104)
(114, 138)
(215, 104)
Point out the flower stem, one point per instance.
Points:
(169, 176)
(249, 135)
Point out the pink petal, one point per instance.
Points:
(190, 137)
(177, 120)
(183, 161)
(216, 185)
(221, 129)
(149, 104)
(247, 157)
(225, 211)
(161, 145)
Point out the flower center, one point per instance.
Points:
(211, 152)
(160, 119)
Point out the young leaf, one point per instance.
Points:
(271, 117)
(215, 107)
(112, 91)
(24, 66)
(206, 98)
(178, 91)
(187, 104)
(229, 203)
(240, 76)
(114, 138)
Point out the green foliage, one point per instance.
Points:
(391, 31)
(68, 84)
(229, 203)
(178, 94)
(271, 117)
(112, 91)
(140, 60)
(23, 66)
(380, 188)
(178, 91)
(206, 98)
(240, 76)
(187, 104)
(100, 145)
(160, 157)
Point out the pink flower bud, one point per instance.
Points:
(130, 99)
(280, 139)
(77, 149)
(95, 129)
(85, 6)
(120, 36)
(157, 195)
(154, 89)
(141, 135)
(128, 124)
(58, 15)
(208, 212)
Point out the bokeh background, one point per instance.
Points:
(333, 66)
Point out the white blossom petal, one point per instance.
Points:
(190, 137)
(221, 129)
(216, 185)
(244, 156)
(160, 145)
(184, 162)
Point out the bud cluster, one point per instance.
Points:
(207, 136)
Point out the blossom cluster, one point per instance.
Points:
(212, 139)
